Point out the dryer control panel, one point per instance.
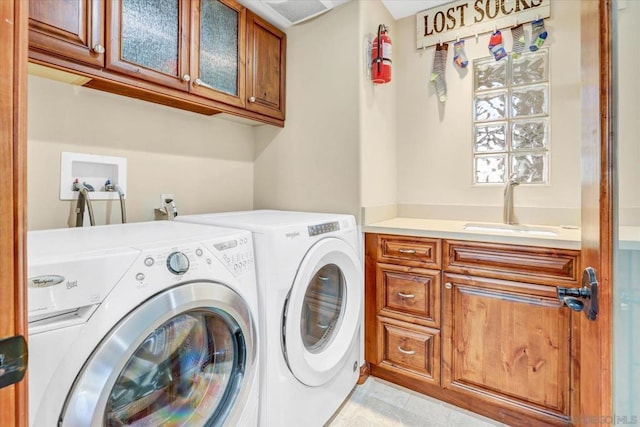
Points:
(327, 227)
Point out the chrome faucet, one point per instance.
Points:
(507, 215)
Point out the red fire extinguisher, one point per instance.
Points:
(381, 56)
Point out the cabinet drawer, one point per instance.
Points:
(409, 294)
(413, 348)
(520, 263)
(407, 250)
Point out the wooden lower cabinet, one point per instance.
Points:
(481, 328)
(507, 343)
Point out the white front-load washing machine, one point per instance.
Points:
(142, 324)
(310, 294)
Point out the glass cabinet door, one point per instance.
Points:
(217, 50)
(148, 39)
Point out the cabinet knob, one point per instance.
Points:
(186, 78)
(98, 48)
(447, 285)
(252, 99)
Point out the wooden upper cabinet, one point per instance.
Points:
(149, 40)
(207, 56)
(266, 52)
(218, 43)
(72, 29)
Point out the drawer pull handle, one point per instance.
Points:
(447, 285)
(406, 295)
(402, 350)
(407, 251)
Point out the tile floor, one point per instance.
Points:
(378, 403)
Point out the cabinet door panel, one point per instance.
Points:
(266, 68)
(148, 39)
(73, 29)
(507, 346)
(218, 50)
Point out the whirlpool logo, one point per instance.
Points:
(45, 281)
(293, 234)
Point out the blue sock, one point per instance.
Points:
(538, 34)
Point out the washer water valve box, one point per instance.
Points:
(93, 170)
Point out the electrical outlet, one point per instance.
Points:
(166, 198)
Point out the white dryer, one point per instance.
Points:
(310, 288)
(142, 324)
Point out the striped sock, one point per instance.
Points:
(517, 33)
(438, 71)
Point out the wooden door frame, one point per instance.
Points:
(594, 361)
(13, 132)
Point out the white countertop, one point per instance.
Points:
(564, 238)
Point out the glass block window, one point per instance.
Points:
(511, 119)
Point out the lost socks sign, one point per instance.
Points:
(466, 18)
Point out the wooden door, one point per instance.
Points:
(266, 52)
(149, 40)
(13, 309)
(71, 29)
(218, 45)
(594, 354)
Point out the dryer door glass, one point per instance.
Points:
(182, 369)
(321, 316)
(322, 307)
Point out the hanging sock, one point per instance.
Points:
(517, 33)
(439, 68)
(459, 55)
(538, 34)
(496, 47)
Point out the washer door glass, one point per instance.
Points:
(322, 307)
(185, 357)
(184, 366)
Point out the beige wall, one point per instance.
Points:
(434, 140)
(629, 125)
(206, 162)
(313, 163)
(377, 115)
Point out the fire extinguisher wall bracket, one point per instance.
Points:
(368, 43)
(381, 56)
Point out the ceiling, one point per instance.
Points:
(403, 8)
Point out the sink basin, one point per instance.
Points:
(513, 229)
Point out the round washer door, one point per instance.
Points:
(185, 357)
(322, 313)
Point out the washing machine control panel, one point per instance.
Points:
(178, 263)
(236, 254)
